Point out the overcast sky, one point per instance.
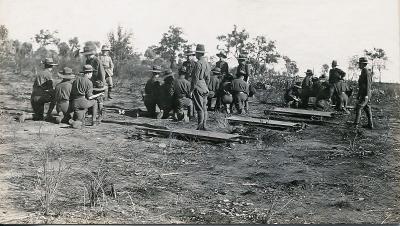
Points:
(311, 32)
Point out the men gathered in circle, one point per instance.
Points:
(43, 91)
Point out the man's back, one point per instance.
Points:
(239, 85)
(82, 86)
(335, 75)
(201, 75)
(43, 81)
(63, 90)
(181, 88)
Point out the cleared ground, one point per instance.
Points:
(323, 174)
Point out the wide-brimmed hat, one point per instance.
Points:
(87, 68)
(242, 57)
(221, 54)
(309, 72)
(363, 60)
(156, 69)
(189, 52)
(200, 48)
(87, 50)
(334, 63)
(216, 71)
(49, 61)
(66, 73)
(105, 48)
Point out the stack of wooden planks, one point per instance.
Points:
(273, 124)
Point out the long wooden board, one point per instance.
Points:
(300, 112)
(264, 122)
(196, 134)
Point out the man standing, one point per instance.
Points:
(240, 91)
(43, 91)
(108, 66)
(213, 86)
(306, 88)
(335, 75)
(151, 94)
(244, 67)
(98, 78)
(82, 97)
(222, 64)
(62, 95)
(190, 63)
(183, 106)
(198, 87)
(364, 93)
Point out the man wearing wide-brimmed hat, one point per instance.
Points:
(240, 92)
(213, 86)
(152, 93)
(244, 66)
(167, 93)
(364, 93)
(189, 63)
(222, 64)
(81, 97)
(183, 105)
(43, 91)
(108, 65)
(199, 88)
(62, 95)
(335, 76)
(307, 88)
(292, 95)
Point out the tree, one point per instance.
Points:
(291, 66)
(46, 37)
(3, 33)
(325, 69)
(171, 44)
(235, 41)
(121, 48)
(261, 52)
(378, 58)
(74, 44)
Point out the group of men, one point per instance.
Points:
(199, 88)
(75, 94)
(333, 90)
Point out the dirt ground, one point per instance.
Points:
(322, 174)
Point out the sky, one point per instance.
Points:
(311, 32)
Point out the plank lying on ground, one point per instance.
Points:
(293, 111)
(301, 120)
(264, 122)
(197, 134)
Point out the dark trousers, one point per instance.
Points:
(240, 101)
(38, 103)
(151, 103)
(363, 104)
(81, 105)
(65, 108)
(200, 104)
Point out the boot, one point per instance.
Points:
(109, 93)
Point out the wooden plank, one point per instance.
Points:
(198, 134)
(264, 122)
(302, 112)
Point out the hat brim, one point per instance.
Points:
(86, 71)
(198, 51)
(221, 55)
(68, 76)
(88, 53)
(156, 71)
(190, 53)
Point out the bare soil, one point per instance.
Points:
(322, 174)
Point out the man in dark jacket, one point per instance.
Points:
(62, 95)
(190, 63)
(199, 88)
(335, 76)
(306, 88)
(167, 93)
(240, 92)
(151, 95)
(213, 86)
(43, 91)
(222, 64)
(364, 93)
(244, 67)
(183, 106)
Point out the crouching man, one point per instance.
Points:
(183, 105)
(225, 93)
(240, 91)
(62, 95)
(152, 91)
(292, 96)
(82, 98)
